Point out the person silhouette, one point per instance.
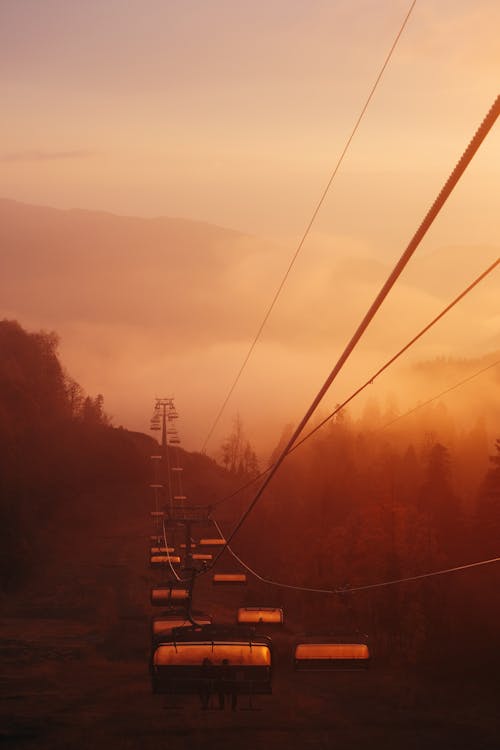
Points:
(206, 683)
(224, 677)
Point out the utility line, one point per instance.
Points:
(308, 227)
(174, 572)
(443, 393)
(400, 352)
(434, 210)
(383, 427)
(371, 379)
(342, 590)
(425, 575)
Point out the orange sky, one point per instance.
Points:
(234, 113)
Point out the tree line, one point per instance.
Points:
(56, 442)
(361, 504)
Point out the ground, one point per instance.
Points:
(75, 648)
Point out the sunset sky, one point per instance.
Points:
(234, 113)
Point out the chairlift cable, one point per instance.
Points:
(429, 218)
(309, 225)
(340, 590)
(443, 393)
(370, 380)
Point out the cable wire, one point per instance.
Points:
(430, 216)
(398, 354)
(383, 427)
(174, 572)
(309, 226)
(443, 393)
(342, 590)
(371, 379)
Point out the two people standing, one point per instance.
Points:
(220, 680)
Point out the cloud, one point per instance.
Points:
(39, 155)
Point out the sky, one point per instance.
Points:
(234, 114)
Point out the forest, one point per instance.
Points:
(382, 498)
(56, 445)
(366, 500)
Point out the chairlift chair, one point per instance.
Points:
(332, 653)
(160, 550)
(257, 615)
(233, 662)
(163, 561)
(229, 579)
(162, 626)
(170, 595)
(217, 542)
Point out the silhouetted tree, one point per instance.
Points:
(488, 507)
(238, 456)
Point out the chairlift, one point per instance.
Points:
(156, 458)
(155, 427)
(169, 595)
(159, 550)
(256, 615)
(184, 546)
(156, 513)
(164, 624)
(332, 653)
(162, 561)
(202, 658)
(157, 486)
(201, 557)
(229, 579)
(174, 441)
(180, 497)
(218, 542)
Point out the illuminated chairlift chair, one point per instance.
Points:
(174, 441)
(229, 579)
(218, 542)
(157, 486)
(162, 626)
(201, 557)
(332, 653)
(183, 546)
(156, 458)
(170, 595)
(156, 513)
(154, 551)
(183, 663)
(163, 561)
(257, 615)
